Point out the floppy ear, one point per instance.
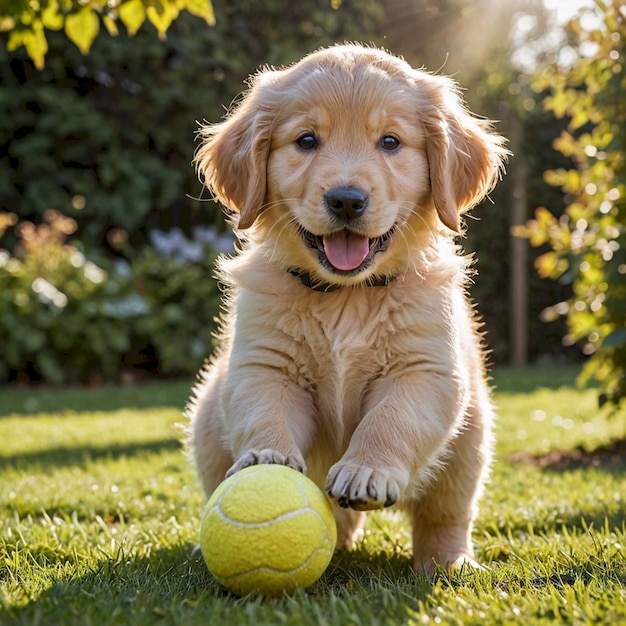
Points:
(232, 160)
(465, 156)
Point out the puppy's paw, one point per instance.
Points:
(364, 488)
(260, 457)
(443, 546)
(464, 562)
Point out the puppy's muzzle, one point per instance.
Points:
(346, 203)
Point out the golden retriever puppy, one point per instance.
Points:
(348, 348)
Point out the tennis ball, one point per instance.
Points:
(267, 529)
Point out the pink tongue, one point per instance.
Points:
(345, 250)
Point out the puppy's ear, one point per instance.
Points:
(465, 156)
(232, 160)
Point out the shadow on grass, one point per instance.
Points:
(529, 379)
(34, 400)
(120, 589)
(610, 457)
(173, 586)
(85, 455)
(359, 567)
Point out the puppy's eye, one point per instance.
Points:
(390, 143)
(307, 141)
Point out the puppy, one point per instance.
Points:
(348, 348)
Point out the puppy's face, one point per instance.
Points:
(346, 162)
(347, 170)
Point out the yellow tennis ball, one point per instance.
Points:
(267, 529)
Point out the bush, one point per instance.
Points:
(182, 300)
(587, 243)
(65, 318)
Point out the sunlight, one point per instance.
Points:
(529, 50)
(565, 9)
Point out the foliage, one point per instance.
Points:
(65, 318)
(27, 20)
(182, 301)
(99, 520)
(52, 309)
(105, 139)
(588, 241)
(108, 139)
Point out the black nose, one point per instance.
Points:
(346, 202)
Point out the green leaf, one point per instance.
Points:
(133, 15)
(16, 39)
(162, 17)
(110, 25)
(201, 8)
(51, 16)
(36, 44)
(82, 28)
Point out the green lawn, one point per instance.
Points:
(99, 517)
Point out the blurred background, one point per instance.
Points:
(107, 239)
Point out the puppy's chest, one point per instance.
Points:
(341, 346)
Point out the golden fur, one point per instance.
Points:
(375, 387)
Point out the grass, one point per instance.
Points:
(99, 516)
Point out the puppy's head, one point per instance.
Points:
(347, 160)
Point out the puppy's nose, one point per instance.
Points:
(346, 202)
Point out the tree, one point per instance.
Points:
(27, 21)
(587, 243)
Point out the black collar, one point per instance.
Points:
(315, 285)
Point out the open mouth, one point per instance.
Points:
(345, 252)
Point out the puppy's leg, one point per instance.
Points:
(206, 441)
(407, 424)
(257, 420)
(268, 418)
(442, 518)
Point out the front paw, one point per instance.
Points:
(260, 457)
(364, 488)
